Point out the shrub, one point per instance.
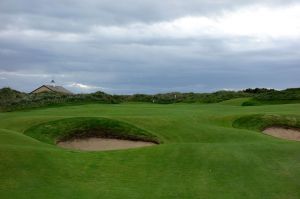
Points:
(14, 100)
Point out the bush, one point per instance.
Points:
(249, 103)
(288, 94)
(14, 100)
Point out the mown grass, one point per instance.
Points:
(236, 101)
(256, 102)
(203, 156)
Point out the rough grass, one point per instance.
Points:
(235, 102)
(287, 96)
(203, 156)
(260, 122)
(80, 127)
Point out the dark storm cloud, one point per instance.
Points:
(149, 46)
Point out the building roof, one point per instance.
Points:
(57, 89)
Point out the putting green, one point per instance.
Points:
(202, 155)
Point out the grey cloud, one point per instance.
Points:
(77, 14)
(136, 64)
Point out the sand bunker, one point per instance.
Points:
(284, 133)
(102, 144)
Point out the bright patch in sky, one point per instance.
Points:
(79, 85)
(255, 21)
(262, 22)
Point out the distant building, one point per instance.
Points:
(52, 88)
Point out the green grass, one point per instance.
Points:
(271, 97)
(202, 155)
(235, 102)
(256, 102)
(80, 127)
(260, 121)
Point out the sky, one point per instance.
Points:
(150, 46)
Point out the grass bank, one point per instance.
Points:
(260, 122)
(203, 155)
(84, 127)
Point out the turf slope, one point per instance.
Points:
(202, 156)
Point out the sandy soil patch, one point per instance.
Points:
(102, 144)
(284, 133)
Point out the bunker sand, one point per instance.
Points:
(102, 144)
(284, 133)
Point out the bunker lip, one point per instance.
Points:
(88, 133)
(102, 144)
(106, 134)
(283, 132)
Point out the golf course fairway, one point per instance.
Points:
(204, 151)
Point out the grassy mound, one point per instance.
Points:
(65, 129)
(202, 155)
(260, 122)
(235, 102)
(12, 100)
(287, 96)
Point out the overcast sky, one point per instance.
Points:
(150, 46)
